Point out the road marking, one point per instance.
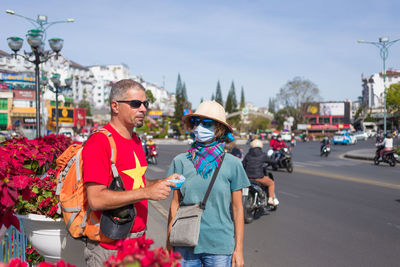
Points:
(288, 194)
(349, 178)
(156, 169)
(163, 212)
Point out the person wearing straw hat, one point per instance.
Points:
(220, 240)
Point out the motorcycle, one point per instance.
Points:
(255, 200)
(326, 149)
(152, 154)
(283, 162)
(389, 157)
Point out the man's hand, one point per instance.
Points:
(160, 189)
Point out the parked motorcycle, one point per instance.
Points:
(283, 162)
(152, 154)
(255, 200)
(326, 149)
(389, 157)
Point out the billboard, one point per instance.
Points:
(311, 108)
(331, 109)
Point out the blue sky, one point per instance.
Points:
(260, 45)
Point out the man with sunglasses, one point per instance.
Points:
(128, 108)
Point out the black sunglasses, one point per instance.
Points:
(135, 103)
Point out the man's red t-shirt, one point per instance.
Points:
(96, 156)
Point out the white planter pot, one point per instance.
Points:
(50, 238)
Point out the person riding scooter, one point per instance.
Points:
(386, 144)
(277, 146)
(253, 164)
(325, 141)
(148, 146)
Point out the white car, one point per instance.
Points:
(361, 135)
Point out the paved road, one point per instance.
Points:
(334, 212)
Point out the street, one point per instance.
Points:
(333, 211)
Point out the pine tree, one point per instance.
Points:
(185, 100)
(178, 114)
(212, 97)
(242, 101)
(233, 98)
(201, 100)
(218, 94)
(228, 103)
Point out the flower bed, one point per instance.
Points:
(22, 161)
(27, 185)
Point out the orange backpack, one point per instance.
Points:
(79, 219)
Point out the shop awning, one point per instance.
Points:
(23, 112)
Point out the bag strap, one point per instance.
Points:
(203, 203)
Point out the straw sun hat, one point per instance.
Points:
(211, 110)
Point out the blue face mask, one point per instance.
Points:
(203, 134)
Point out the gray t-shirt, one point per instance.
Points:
(216, 228)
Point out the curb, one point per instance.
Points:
(369, 158)
(359, 157)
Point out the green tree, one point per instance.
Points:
(233, 96)
(179, 102)
(271, 105)
(150, 97)
(231, 102)
(218, 94)
(297, 92)
(228, 103)
(393, 98)
(258, 123)
(186, 103)
(242, 100)
(212, 96)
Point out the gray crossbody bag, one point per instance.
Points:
(186, 226)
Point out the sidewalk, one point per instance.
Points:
(157, 224)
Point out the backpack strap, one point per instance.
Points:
(113, 158)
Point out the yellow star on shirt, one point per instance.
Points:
(136, 174)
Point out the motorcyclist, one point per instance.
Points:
(325, 141)
(254, 165)
(292, 141)
(387, 145)
(273, 140)
(149, 145)
(277, 146)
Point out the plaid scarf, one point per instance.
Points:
(206, 157)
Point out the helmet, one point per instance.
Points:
(256, 143)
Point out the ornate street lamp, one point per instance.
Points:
(57, 89)
(37, 56)
(35, 38)
(383, 44)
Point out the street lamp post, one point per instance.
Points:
(58, 88)
(36, 38)
(383, 44)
